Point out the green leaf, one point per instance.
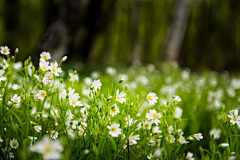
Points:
(95, 150)
(133, 127)
(113, 143)
(101, 144)
(18, 119)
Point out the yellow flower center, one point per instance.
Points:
(14, 144)
(146, 125)
(49, 77)
(113, 110)
(48, 149)
(150, 98)
(44, 67)
(117, 97)
(43, 94)
(113, 129)
(54, 70)
(15, 100)
(4, 51)
(234, 118)
(73, 102)
(155, 115)
(45, 57)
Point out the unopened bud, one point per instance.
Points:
(64, 58)
(16, 51)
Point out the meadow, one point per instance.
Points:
(143, 112)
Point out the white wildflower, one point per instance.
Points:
(114, 110)
(96, 84)
(54, 134)
(50, 149)
(198, 136)
(4, 50)
(178, 113)
(55, 69)
(114, 129)
(16, 98)
(120, 97)
(235, 119)
(152, 98)
(38, 128)
(215, 133)
(45, 55)
(153, 116)
(14, 143)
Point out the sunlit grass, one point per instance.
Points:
(143, 112)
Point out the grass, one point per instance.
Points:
(84, 117)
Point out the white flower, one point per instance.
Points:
(15, 87)
(151, 157)
(153, 116)
(73, 77)
(1, 77)
(96, 84)
(189, 156)
(170, 138)
(63, 94)
(88, 81)
(18, 65)
(51, 149)
(223, 145)
(41, 94)
(14, 143)
(44, 65)
(129, 120)
(147, 125)
(198, 136)
(114, 110)
(170, 129)
(111, 71)
(233, 114)
(120, 97)
(1, 97)
(178, 113)
(55, 69)
(215, 133)
(114, 130)
(95, 75)
(73, 100)
(48, 76)
(45, 55)
(156, 130)
(54, 134)
(133, 139)
(70, 91)
(5, 50)
(231, 157)
(177, 98)
(182, 140)
(38, 128)
(16, 98)
(152, 98)
(33, 139)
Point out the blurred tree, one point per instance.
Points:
(197, 32)
(177, 30)
(78, 23)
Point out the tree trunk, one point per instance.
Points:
(177, 30)
(136, 57)
(78, 23)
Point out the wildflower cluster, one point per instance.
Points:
(44, 114)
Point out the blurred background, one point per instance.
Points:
(198, 34)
